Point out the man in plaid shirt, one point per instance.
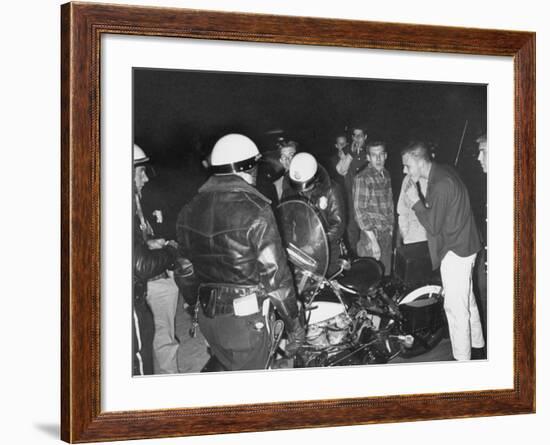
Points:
(373, 206)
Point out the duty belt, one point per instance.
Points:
(229, 299)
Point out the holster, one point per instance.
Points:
(218, 299)
(286, 305)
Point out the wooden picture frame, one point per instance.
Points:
(82, 26)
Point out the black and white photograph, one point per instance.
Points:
(133, 309)
(285, 221)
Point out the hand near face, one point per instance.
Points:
(340, 145)
(412, 192)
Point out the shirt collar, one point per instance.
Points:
(383, 173)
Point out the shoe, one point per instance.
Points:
(479, 354)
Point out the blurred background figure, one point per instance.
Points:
(287, 151)
(270, 176)
(154, 261)
(357, 162)
(341, 160)
(481, 260)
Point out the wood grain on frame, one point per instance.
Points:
(81, 28)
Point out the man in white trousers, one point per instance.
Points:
(453, 241)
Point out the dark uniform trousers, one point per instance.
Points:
(238, 342)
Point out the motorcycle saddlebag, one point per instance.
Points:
(421, 315)
(413, 264)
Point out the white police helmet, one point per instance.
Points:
(139, 155)
(234, 153)
(303, 171)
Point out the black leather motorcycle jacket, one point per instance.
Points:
(150, 263)
(327, 199)
(229, 233)
(147, 264)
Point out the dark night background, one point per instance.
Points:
(179, 115)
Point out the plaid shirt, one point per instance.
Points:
(373, 200)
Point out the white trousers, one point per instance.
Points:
(162, 297)
(460, 305)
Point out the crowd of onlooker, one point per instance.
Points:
(221, 234)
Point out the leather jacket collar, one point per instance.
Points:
(231, 183)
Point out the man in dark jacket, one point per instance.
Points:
(453, 241)
(340, 160)
(229, 233)
(155, 292)
(349, 168)
(310, 180)
(270, 177)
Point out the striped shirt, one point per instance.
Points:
(373, 200)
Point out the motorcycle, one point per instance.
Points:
(355, 316)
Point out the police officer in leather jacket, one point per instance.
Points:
(229, 233)
(310, 181)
